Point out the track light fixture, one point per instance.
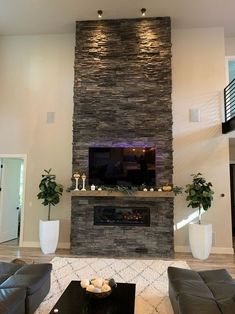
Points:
(100, 12)
(143, 11)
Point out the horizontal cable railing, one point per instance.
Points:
(229, 100)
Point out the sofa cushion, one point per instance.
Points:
(175, 273)
(222, 290)
(192, 304)
(22, 288)
(3, 278)
(193, 287)
(227, 306)
(8, 268)
(215, 275)
(12, 301)
(30, 282)
(35, 269)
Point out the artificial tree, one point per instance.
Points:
(199, 193)
(50, 191)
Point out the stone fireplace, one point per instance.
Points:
(155, 239)
(122, 97)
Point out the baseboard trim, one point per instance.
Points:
(222, 250)
(182, 249)
(61, 245)
(214, 250)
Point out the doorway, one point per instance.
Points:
(12, 186)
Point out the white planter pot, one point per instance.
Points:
(200, 239)
(49, 235)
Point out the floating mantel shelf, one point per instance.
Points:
(120, 194)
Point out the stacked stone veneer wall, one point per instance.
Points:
(122, 241)
(122, 92)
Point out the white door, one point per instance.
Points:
(9, 198)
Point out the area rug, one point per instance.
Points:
(150, 277)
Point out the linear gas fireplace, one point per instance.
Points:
(112, 215)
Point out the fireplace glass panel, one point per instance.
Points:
(109, 215)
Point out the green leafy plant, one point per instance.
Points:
(120, 188)
(50, 191)
(199, 193)
(177, 190)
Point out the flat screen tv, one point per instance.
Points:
(125, 166)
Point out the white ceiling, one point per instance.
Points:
(59, 16)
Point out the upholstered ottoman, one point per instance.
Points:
(209, 292)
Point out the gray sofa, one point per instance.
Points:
(22, 288)
(204, 292)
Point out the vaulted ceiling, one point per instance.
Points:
(59, 16)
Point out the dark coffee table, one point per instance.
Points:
(75, 301)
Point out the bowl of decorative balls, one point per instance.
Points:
(98, 288)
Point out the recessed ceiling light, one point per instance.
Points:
(100, 12)
(143, 11)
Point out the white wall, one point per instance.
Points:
(36, 77)
(230, 46)
(198, 81)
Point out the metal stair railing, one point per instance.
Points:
(229, 101)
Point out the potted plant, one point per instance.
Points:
(50, 193)
(200, 195)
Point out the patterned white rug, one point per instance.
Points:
(150, 277)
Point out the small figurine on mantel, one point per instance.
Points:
(92, 187)
(167, 188)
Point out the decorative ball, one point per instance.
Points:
(145, 190)
(151, 189)
(98, 288)
(85, 283)
(112, 283)
(105, 288)
(166, 188)
(97, 282)
(90, 288)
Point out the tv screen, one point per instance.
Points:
(123, 166)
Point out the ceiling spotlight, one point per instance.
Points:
(100, 12)
(143, 11)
